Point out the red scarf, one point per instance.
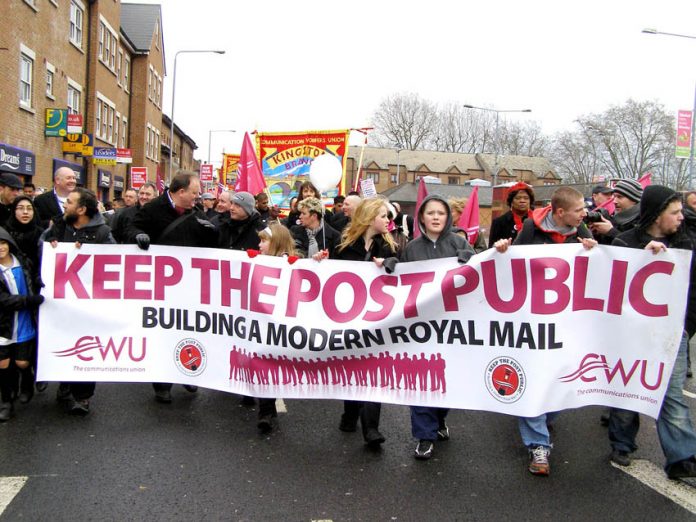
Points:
(519, 221)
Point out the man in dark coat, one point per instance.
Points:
(124, 216)
(239, 229)
(49, 205)
(10, 185)
(172, 219)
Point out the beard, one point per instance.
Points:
(70, 219)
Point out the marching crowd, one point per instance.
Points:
(368, 230)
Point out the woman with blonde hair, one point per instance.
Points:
(457, 206)
(367, 238)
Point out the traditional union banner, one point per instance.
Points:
(285, 158)
(228, 170)
(537, 329)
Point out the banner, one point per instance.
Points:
(537, 329)
(285, 158)
(228, 172)
(683, 147)
(138, 176)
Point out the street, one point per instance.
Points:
(202, 458)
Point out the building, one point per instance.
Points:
(184, 147)
(101, 59)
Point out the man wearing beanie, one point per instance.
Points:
(627, 193)
(659, 228)
(239, 229)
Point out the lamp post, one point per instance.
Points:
(497, 118)
(690, 176)
(171, 131)
(210, 136)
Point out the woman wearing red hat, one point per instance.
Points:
(520, 199)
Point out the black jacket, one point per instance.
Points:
(120, 222)
(356, 250)
(95, 232)
(240, 235)
(328, 239)
(503, 227)
(154, 218)
(47, 207)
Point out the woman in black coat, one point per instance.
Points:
(24, 227)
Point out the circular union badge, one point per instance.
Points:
(190, 357)
(505, 379)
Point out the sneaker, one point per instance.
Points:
(190, 388)
(539, 461)
(79, 408)
(424, 450)
(41, 386)
(63, 394)
(622, 458)
(683, 469)
(443, 433)
(6, 411)
(26, 396)
(374, 438)
(348, 425)
(265, 424)
(163, 396)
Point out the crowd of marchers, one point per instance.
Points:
(371, 230)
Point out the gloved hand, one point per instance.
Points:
(33, 301)
(252, 253)
(143, 241)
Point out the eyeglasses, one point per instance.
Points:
(26, 209)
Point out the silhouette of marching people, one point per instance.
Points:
(384, 371)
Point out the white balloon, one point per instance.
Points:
(325, 172)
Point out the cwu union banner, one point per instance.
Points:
(537, 329)
(285, 158)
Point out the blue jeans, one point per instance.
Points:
(535, 431)
(426, 420)
(674, 427)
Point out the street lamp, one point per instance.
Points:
(210, 136)
(497, 118)
(693, 112)
(171, 132)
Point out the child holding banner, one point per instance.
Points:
(367, 238)
(436, 241)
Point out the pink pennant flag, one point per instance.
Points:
(422, 194)
(160, 181)
(469, 220)
(608, 205)
(645, 179)
(249, 175)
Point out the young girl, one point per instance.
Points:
(275, 240)
(436, 241)
(366, 238)
(17, 325)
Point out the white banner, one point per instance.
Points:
(540, 328)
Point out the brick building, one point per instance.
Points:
(102, 59)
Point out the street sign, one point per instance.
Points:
(56, 123)
(206, 173)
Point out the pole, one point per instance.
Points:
(497, 141)
(690, 176)
(171, 130)
(210, 136)
(398, 179)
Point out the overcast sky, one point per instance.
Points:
(312, 64)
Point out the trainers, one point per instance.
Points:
(6, 411)
(374, 438)
(63, 394)
(443, 433)
(163, 396)
(190, 388)
(539, 461)
(424, 450)
(41, 386)
(265, 424)
(622, 458)
(79, 408)
(348, 425)
(26, 396)
(683, 469)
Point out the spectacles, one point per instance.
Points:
(25, 209)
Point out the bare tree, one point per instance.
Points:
(462, 130)
(404, 120)
(522, 139)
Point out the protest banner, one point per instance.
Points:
(537, 329)
(285, 158)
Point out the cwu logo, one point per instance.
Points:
(594, 366)
(88, 347)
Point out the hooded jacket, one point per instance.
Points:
(448, 244)
(95, 231)
(240, 234)
(534, 233)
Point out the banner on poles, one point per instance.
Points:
(684, 138)
(285, 158)
(228, 172)
(537, 329)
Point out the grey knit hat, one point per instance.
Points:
(629, 188)
(246, 201)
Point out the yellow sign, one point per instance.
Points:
(103, 161)
(72, 144)
(87, 145)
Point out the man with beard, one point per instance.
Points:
(81, 223)
(123, 217)
(10, 185)
(50, 204)
(627, 194)
(172, 219)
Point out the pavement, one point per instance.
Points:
(202, 458)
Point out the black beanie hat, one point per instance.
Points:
(654, 200)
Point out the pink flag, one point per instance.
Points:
(249, 176)
(469, 220)
(160, 181)
(422, 193)
(608, 205)
(645, 179)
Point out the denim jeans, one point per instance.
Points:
(426, 420)
(535, 431)
(674, 427)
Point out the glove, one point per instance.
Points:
(292, 259)
(252, 253)
(33, 301)
(143, 241)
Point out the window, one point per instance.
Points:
(119, 66)
(74, 97)
(374, 176)
(26, 76)
(452, 180)
(150, 80)
(147, 141)
(77, 10)
(50, 79)
(104, 124)
(126, 74)
(124, 132)
(155, 152)
(159, 92)
(157, 38)
(108, 45)
(392, 178)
